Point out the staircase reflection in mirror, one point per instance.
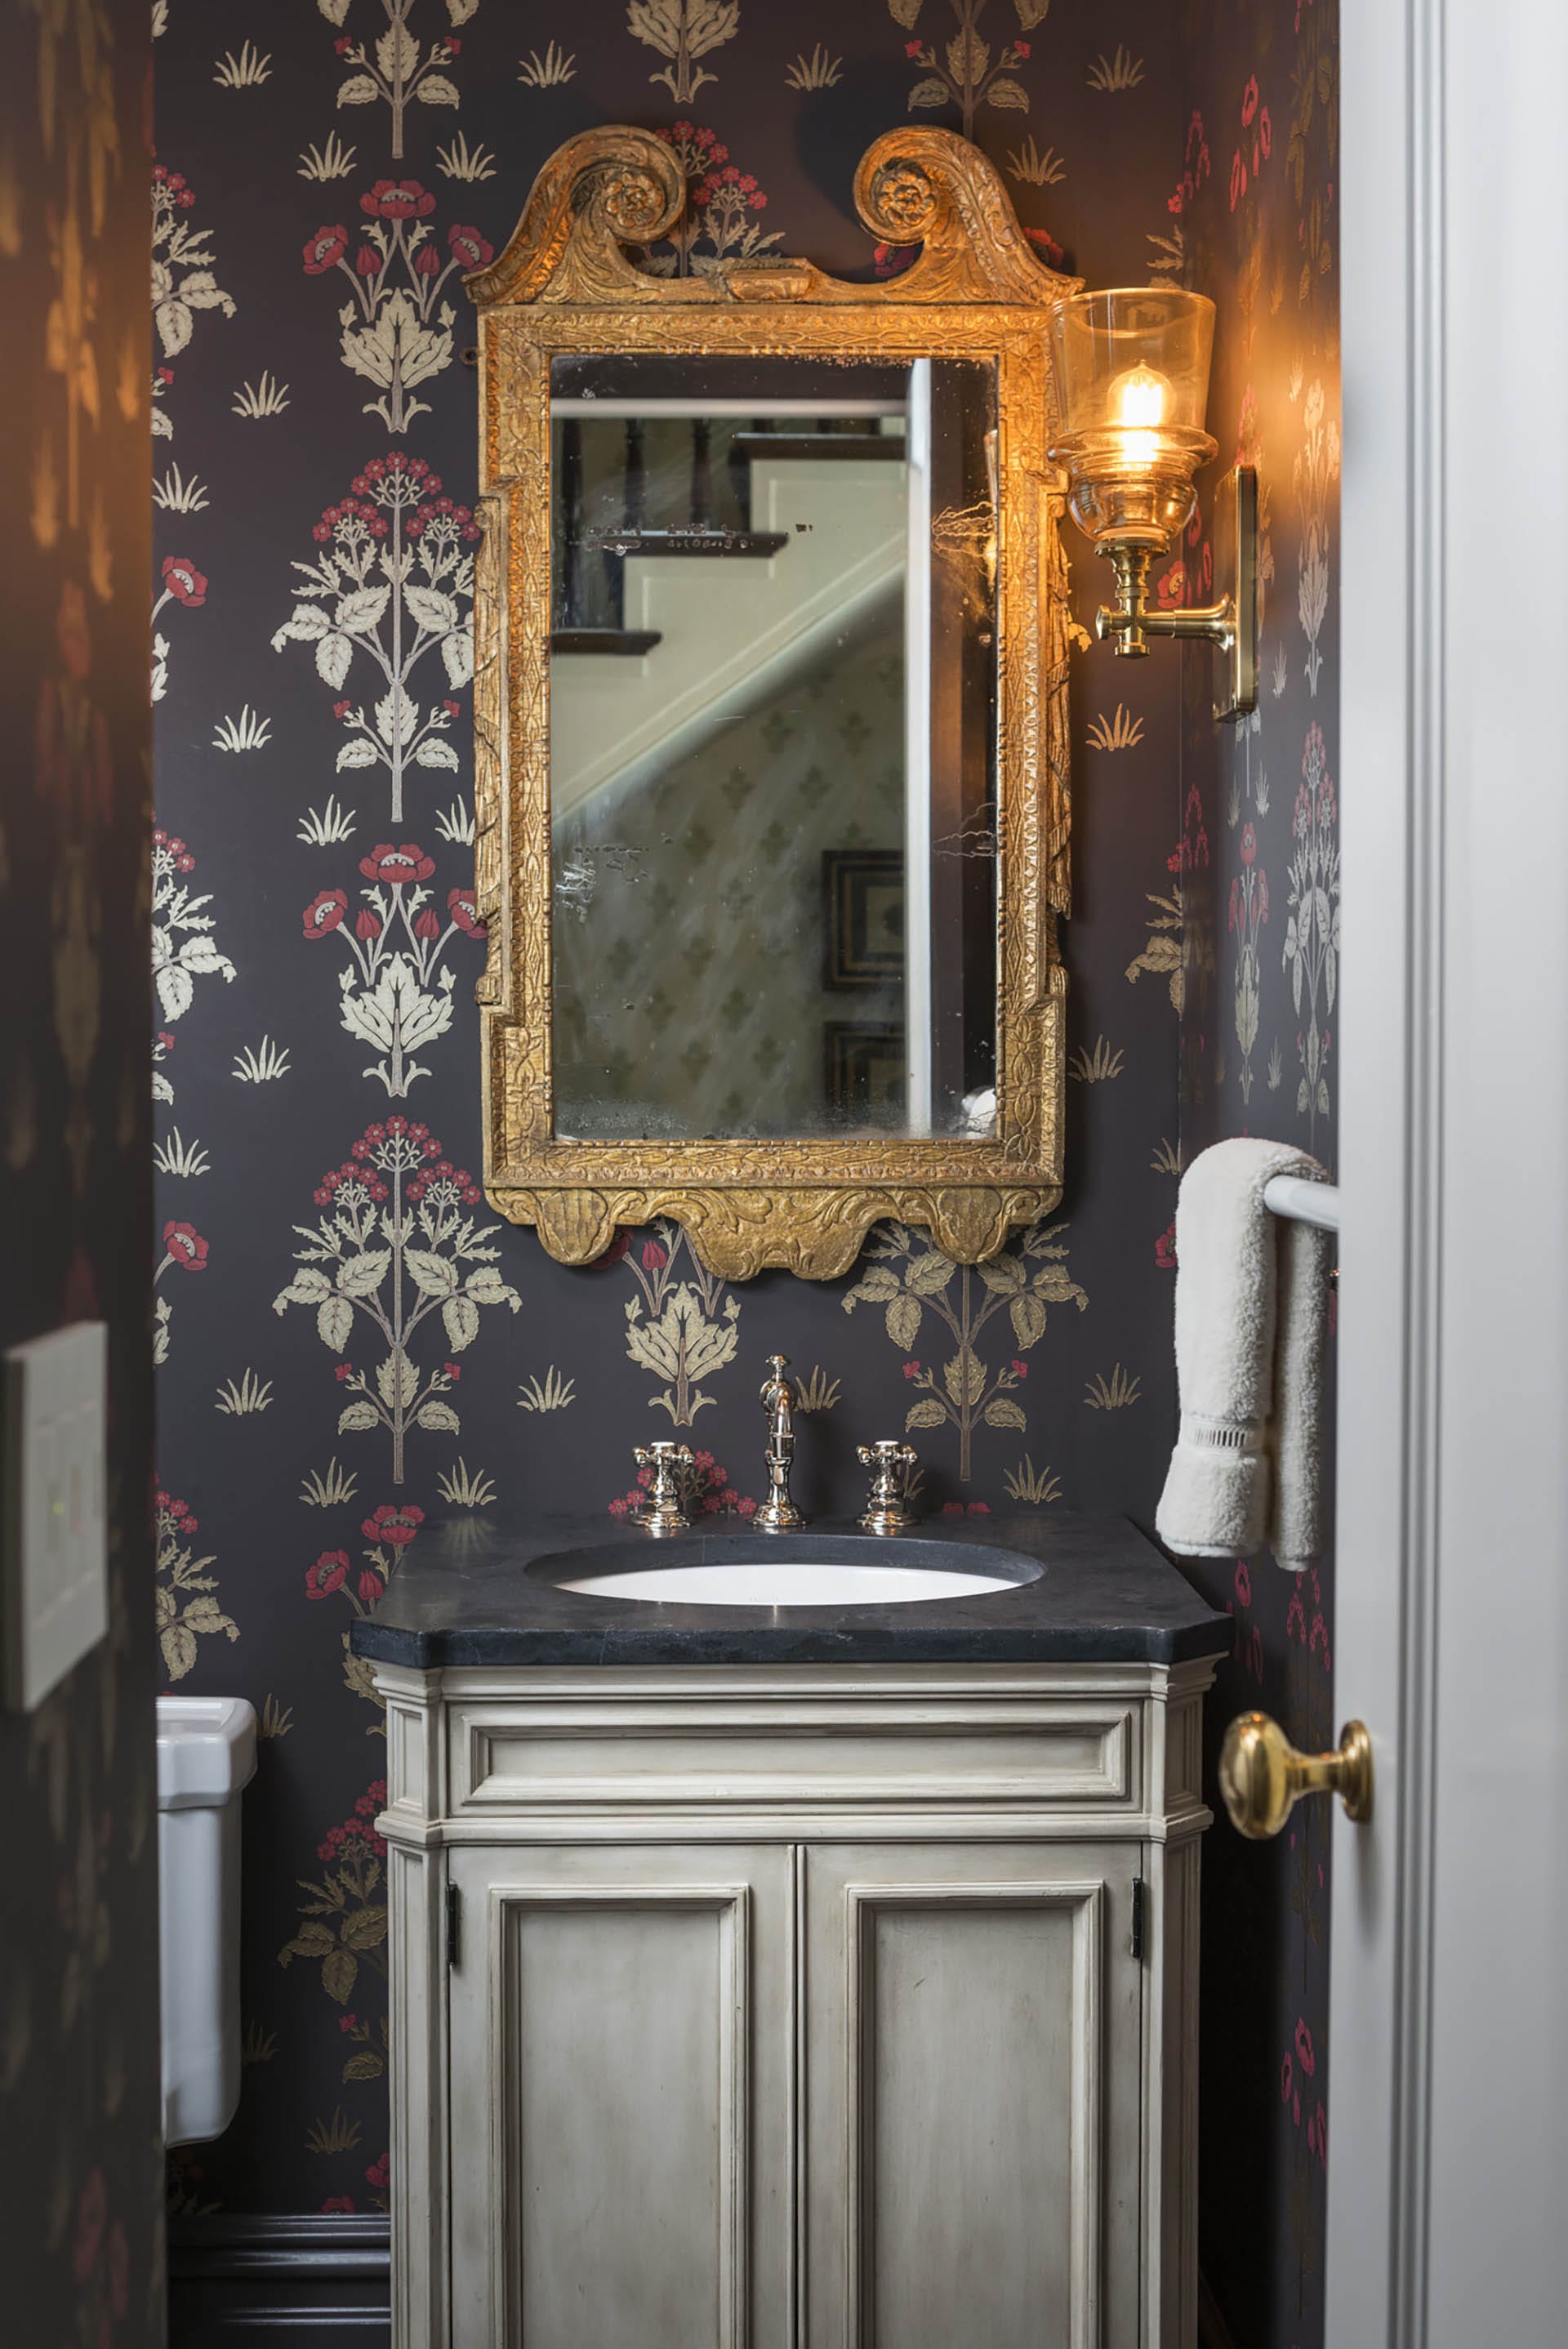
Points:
(772, 741)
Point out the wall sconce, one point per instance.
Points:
(1131, 371)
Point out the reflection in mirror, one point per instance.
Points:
(772, 741)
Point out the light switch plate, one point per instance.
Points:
(53, 1585)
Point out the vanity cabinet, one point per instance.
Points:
(794, 2005)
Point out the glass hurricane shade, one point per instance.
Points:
(1131, 374)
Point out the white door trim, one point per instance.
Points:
(1450, 1911)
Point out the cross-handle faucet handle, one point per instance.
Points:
(887, 1509)
(672, 1465)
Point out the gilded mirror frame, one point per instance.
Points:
(567, 284)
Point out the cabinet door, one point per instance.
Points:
(973, 2059)
(620, 2033)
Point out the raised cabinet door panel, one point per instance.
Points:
(620, 2032)
(973, 2095)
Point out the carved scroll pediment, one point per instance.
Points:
(611, 193)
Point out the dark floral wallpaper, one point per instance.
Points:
(81, 2171)
(1254, 223)
(325, 177)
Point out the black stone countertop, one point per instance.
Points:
(478, 1593)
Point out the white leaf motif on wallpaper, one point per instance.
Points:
(460, 1320)
(396, 718)
(359, 90)
(333, 1320)
(438, 1418)
(436, 91)
(183, 281)
(682, 1346)
(359, 752)
(183, 949)
(333, 655)
(430, 607)
(395, 352)
(362, 610)
(397, 1382)
(434, 752)
(305, 625)
(361, 1276)
(433, 1275)
(396, 1016)
(308, 1287)
(357, 1418)
(457, 655)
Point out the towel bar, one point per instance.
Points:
(1306, 1203)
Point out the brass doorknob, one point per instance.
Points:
(1262, 1776)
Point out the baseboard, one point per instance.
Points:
(315, 2283)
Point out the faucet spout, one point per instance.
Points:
(778, 1513)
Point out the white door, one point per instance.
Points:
(973, 2097)
(621, 2053)
(1448, 2175)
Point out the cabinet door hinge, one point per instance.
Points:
(454, 1918)
(1138, 1904)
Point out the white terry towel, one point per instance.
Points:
(1251, 1311)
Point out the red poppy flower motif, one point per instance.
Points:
(454, 43)
(1238, 179)
(654, 1257)
(396, 865)
(324, 912)
(892, 260)
(1249, 99)
(1171, 586)
(327, 247)
(397, 200)
(1046, 246)
(428, 924)
(426, 260)
(453, 1370)
(183, 581)
(470, 249)
(341, 708)
(338, 2205)
(453, 709)
(345, 2023)
(1020, 48)
(911, 1370)
(185, 1244)
(368, 261)
(394, 1524)
(370, 1586)
(1285, 2078)
(1165, 1248)
(1019, 1367)
(1244, 1583)
(1249, 844)
(343, 1370)
(380, 2171)
(913, 48)
(1304, 2056)
(461, 910)
(329, 1573)
(367, 925)
(1265, 137)
(342, 46)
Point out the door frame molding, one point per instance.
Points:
(1450, 1915)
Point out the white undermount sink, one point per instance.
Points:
(787, 1582)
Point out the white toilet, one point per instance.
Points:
(206, 1755)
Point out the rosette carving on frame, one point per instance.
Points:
(603, 191)
(931, 188)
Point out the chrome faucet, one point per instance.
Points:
(778, 1512)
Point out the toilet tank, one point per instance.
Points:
(206, 1754)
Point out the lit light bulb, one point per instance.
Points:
(1138, 396)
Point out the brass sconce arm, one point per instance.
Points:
(1230, 625)
(1132, 622)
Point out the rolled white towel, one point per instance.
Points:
(1252, 1315)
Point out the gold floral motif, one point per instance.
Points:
(565, 282)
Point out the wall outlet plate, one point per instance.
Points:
(54, 1571)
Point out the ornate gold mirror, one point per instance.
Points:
(770, 707)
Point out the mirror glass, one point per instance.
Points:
(772, 743)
